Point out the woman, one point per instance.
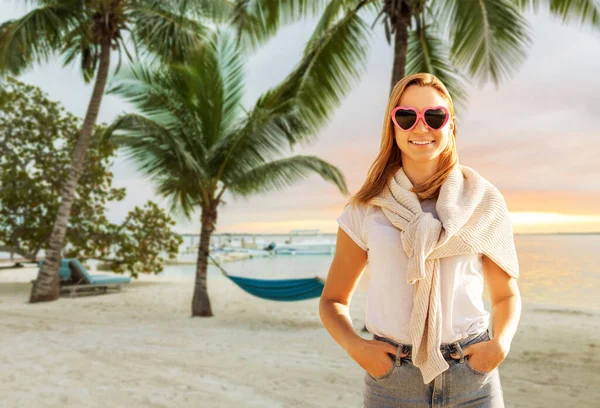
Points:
(432, 232)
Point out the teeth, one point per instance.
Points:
(421, 143)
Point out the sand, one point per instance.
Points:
(140, 348)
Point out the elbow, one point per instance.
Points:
(329, 306)
(326, 305)
(510, 298)
(323, 303)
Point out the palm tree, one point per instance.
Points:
(484, 40)
(90, 30)
(487, 39)
(195, 140)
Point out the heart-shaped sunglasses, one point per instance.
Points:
(434, 117)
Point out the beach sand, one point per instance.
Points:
(140, 348)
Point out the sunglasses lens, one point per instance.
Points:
(435, 118)
(405, 118)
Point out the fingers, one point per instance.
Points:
(456, 354)
(468, 350)
(388, 348)
(391, 349)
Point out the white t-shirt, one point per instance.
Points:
(390, 297)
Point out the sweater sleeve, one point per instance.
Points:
(498, 242)
(351, 220)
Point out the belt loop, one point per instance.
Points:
(399, 351)
(460, 350)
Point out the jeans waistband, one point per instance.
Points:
(446, 349)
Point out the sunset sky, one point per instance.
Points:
(536, 137)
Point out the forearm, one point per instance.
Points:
(505, 320)
(336, 319)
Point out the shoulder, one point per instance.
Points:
(356, 211)
(361, 208)
(485, 194)
(474, 177)
(353, 221)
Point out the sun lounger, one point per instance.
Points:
(75, 279)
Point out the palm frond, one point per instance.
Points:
(78, 43)
(184, 194)
(215, 85)
(152, 89)
(336, 9)
(279, 174)
(261, 137)
(258, 20)
(162, 96)
(426, 52)
(136, 131)
(489, 37)
(170, 36)
(330, 66)
(34, 37)
(293, 111)
(164, 156)
(582, 11)
(216, 11)
(138, 126)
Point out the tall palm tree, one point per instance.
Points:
(91, 30)
(486, 39)
(195, 140)
(456, 40)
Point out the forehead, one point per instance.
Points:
(421, 97)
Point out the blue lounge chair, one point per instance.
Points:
(64, 272)
(75, 279)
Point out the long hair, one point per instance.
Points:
(389, 161)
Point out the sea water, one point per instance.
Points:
(557, 270)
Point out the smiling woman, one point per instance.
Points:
(433, 233)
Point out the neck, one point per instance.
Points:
(419, 172)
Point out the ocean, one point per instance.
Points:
(560, 270)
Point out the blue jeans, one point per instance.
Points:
(460, 386)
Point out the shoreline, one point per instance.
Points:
(28, 273)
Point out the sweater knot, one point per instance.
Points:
(419, 240)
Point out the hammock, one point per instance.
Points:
(283, 290)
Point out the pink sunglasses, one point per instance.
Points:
(407, 117)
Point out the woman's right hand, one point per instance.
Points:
(372, 356)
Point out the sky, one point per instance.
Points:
(535, 137)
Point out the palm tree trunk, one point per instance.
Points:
(200, 301)
(47, 285)
(401, 22)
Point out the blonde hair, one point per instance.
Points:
(389, 160)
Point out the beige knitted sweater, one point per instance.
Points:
(473, 218)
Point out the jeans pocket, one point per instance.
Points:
(468, 364)
(387, 374)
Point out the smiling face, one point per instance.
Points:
(421, 97)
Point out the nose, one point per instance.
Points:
(421, 127)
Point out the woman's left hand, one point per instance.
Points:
(484, 356)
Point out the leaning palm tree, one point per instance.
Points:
(192, 136)
(482, 40)
(91, 31)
